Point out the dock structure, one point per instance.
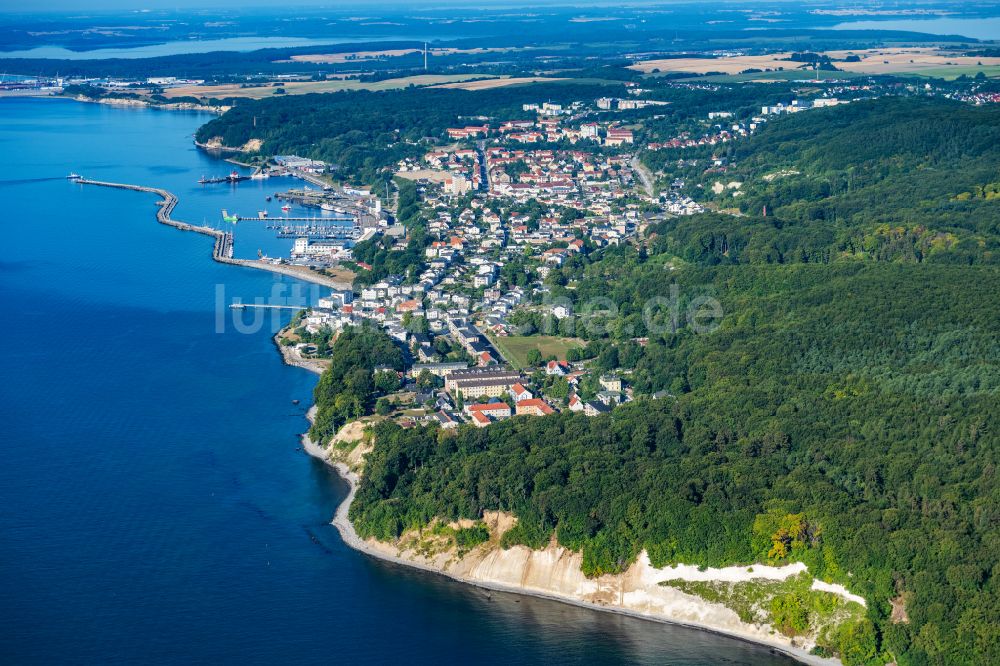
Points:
(265, 306)
(317, 231)
(223, 179)
(315, 220)
(310, 178)
(222, 249)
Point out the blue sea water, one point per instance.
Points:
(154, 503)
(985, 28)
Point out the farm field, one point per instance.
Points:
(731, 65)
(486, 84)
(306, 87)
(911, 61)
(921, 61)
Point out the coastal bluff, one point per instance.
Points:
(556, 572)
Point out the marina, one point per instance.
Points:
(222, 250)
(304, 231)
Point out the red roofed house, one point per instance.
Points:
(558, 368)
(519, 393)
(617, 137)
(489, 411)
(463, 132)
(534, 407)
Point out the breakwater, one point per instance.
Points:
(222, 249)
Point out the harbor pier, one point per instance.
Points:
(222, 249)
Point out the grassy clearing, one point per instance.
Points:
(515, 348)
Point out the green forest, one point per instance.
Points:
(843, 413)
(888, 179)
(363, 132)
(863, 398)
(348, 389)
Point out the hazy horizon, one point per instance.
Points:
(101, 6)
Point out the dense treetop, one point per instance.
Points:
(887, 179)
(843, 413)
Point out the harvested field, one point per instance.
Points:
(900, 60)
(306, 87)
(732, 65)
(487, 84)
(910, 61)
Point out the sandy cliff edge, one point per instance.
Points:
(555, 573)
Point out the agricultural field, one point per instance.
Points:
(306, 87)
(487, 84)
(731, 65)
(911, 61)
(921, 61)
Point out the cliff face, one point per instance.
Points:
(556, 572)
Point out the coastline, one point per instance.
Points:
(141, 103)
(291, 357)
(351, 538)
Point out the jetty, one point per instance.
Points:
(222, 249)
(265, 306)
